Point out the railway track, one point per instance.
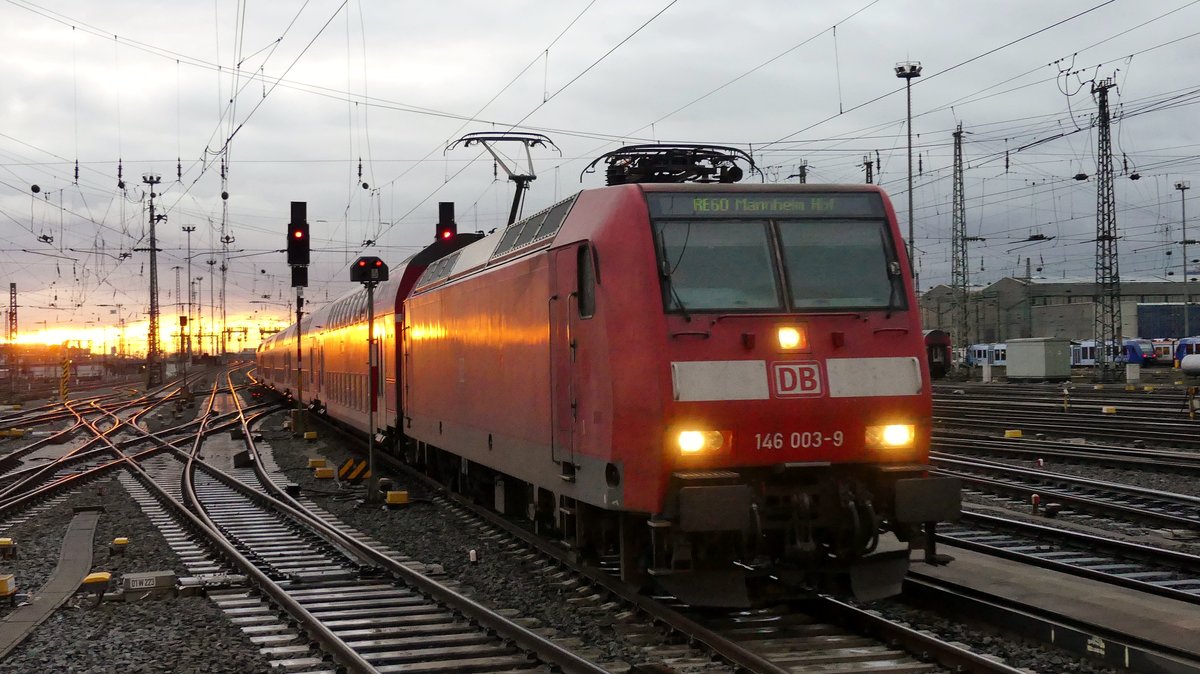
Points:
(1165, 573)
(1029, 449)
(774, 633)
(311, 578)
(52, 390)
(371, 611)
(367, 611)
(821, 635)
(1068, 424)
(824, 635)
(1102, 646)
(1074, 494)
(1139, 417)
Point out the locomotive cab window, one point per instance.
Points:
(717, 264)
(838, 263)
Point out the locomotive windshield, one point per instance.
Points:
(718, 264)
(771, 252)
(836, 263)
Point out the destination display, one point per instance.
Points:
(765, 205)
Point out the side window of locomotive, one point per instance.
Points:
(586, 282)
(717, 265)
(838, 263)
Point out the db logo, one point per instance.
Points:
(798, 379)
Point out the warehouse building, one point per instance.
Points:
(1014, 308)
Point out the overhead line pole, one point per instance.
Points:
(961, 271)
(154, 375)
(188, 229)
(1107, 327)
(13, 358)
(1183, 186)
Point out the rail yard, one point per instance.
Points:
(592, 337)
(1077, 545)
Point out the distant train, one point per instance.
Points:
(1164, 349)
(1185, 347)
(683, 375)
(938, 352)
(1142, 352)
(979, 354)
(1173, 351)
(1133, 351)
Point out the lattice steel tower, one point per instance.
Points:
(1108, 274)
(961, 274)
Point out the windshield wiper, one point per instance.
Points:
(665, 270)
(666, 274)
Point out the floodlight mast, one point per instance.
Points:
(907, 70)
(529, 140)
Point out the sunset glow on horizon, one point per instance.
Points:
(132, 339)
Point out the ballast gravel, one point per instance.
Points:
(38, 541)
(187, 635)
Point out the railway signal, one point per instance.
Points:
(447, 228)
(371, 271)
(368, 270)
(297, 258)
(297, 243)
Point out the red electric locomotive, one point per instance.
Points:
(725, 384)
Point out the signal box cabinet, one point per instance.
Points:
(1039, 359)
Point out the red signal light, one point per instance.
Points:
(297, 243)
(368, 270)
(446, 234)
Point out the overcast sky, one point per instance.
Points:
(294, 95)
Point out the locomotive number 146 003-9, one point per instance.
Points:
(798, 440)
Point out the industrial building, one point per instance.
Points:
(1014, 308)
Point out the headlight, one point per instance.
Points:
(891, 436)
(696, 442)
(792, 339)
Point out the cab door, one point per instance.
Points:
(573, 300)
(563, 405)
